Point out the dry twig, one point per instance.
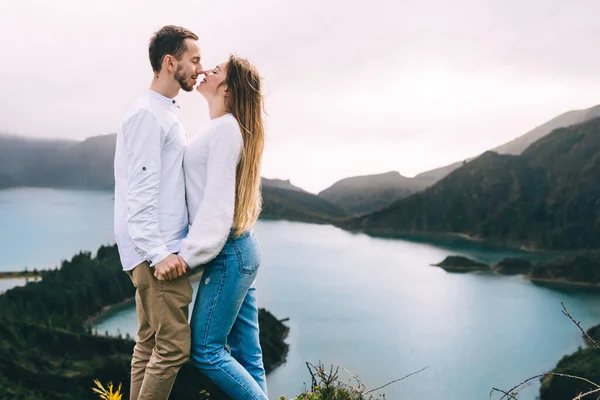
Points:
(578, 323)
(398, 380)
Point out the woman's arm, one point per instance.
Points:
(210, 228)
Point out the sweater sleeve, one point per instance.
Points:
(214, 219)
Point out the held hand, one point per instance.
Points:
(169, 268)
(184, 267)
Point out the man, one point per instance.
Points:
(151, 216)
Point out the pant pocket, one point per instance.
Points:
(247, 254)
(130, 275)
(180, 287)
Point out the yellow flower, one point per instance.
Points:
(107, 394)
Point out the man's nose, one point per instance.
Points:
(199, 69)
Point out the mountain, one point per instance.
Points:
(281, 184)
(365, 194)
(282, 200)
(294, 205)
(518, 145)
(57, 163)
(548, 197)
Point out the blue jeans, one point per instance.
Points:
(225, 312)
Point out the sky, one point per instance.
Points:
(352, 88)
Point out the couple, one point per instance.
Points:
(181, 206)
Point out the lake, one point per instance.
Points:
(44, 226)
(370, 305)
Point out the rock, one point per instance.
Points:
(461, 264)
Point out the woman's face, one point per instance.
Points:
(211, 84)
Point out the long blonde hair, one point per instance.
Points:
(245, 102)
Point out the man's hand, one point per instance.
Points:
(170, 268)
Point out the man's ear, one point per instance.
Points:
(170, 63)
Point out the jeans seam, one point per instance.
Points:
(259, 249)
(239, 346)
(238, 256)
(212, 310)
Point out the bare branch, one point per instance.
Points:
(502, 391)
(361, 384)
(578, 323)
(582, 395)
(397, 380)
(550, 373)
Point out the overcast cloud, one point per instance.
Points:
(353, 87)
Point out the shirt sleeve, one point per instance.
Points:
(143, 143)
(211, 226)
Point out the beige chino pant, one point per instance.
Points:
(163, 339)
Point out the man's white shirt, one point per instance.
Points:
(150, 216)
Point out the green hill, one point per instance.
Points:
(584, 363)
(294, 205)
(46, 353)
(547, 197)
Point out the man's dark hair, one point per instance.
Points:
(169, 39)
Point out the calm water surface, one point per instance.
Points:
(373, 306)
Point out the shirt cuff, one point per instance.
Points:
(158, 254)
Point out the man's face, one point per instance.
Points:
(189, 66)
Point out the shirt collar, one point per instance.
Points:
(163, 99)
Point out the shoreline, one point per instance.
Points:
(194, 277)
(563, 283)
(438, 238)
(106, 310)
(442, 239)
(20, 274)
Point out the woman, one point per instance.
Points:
(222, 173)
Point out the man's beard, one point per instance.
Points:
(183, 81)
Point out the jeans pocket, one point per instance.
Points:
(248, 254)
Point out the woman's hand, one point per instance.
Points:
(170, 268)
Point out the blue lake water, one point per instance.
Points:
(41, 227)
(372, 306)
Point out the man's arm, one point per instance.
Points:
(143, 142)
